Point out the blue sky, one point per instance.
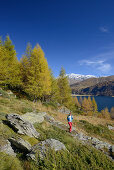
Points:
(75, 34)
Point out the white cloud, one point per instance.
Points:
(103, 29)
(89, 62)
(99, 65)
(104, 68)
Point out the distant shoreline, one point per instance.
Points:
(73, 95)
(80, 95)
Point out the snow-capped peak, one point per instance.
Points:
(79, 76)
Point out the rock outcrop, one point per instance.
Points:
(34, 117)
(96, 143)
(20, 144)
(7, 148)
(43, 146)
(64, 110)
(21, 126)
(110, 127)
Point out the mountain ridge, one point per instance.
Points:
(91, 83)
(73, 78)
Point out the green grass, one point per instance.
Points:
(79, 157)
(12, 105)
(4, 93)
(99, 130)
(9, 162)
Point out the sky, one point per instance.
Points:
(75, 34)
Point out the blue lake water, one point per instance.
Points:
(102, 101)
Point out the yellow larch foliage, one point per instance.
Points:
(37, 76)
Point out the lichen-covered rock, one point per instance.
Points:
(20, 144)
(21, 126)
(43, 146)
(49, 118)
(64, 110)
(7, 148)
(110, 127)
(34, 117)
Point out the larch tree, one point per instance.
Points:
(13, 71)
(77, 104)
(90, 109)
(105, 113)
(85, 106)
(25, 65)
(80, 100)
(3, 65)
(38, 74)
(112, 113)
(54, 95)
(64, 89)
(9, 67)
(95, 109)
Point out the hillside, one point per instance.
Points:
(103, 84)
(103, 89)
(22, 149)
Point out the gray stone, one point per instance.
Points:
(34, 117)
(21, 144)
(95, 141)
(7, 149)
(49, 118)
(110, 127)
(64, 110)
(99, 146)
(112, 148)
(10, 93)
(44, 146)
(81, 136)
(21, 126)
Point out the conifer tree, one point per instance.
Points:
(3, 65)
(112, 113)
(38, 74)
(1, 42)
(85, 106)
(9, 68)
(90, 106)
(54, 95)
(94, 105)
(25, 65)
(77, 102)
(80, 100)
(64, 89)
(105, 113)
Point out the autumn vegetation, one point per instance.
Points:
(32, 78)
(36, 89)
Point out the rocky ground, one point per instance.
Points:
(24, 125)
(31, 137)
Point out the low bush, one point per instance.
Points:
(8, 162)
(4, 93)
(78, 156)
(99, 130)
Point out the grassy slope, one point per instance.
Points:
(79, 157)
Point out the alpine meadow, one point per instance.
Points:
(33, 110)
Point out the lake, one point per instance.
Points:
(102, 101)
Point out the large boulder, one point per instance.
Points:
(44, 146)
(7, 148)
(34, 117)
(21, 126)
(110, 127)
(49, 118)
(64, 110)
(20, 144)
